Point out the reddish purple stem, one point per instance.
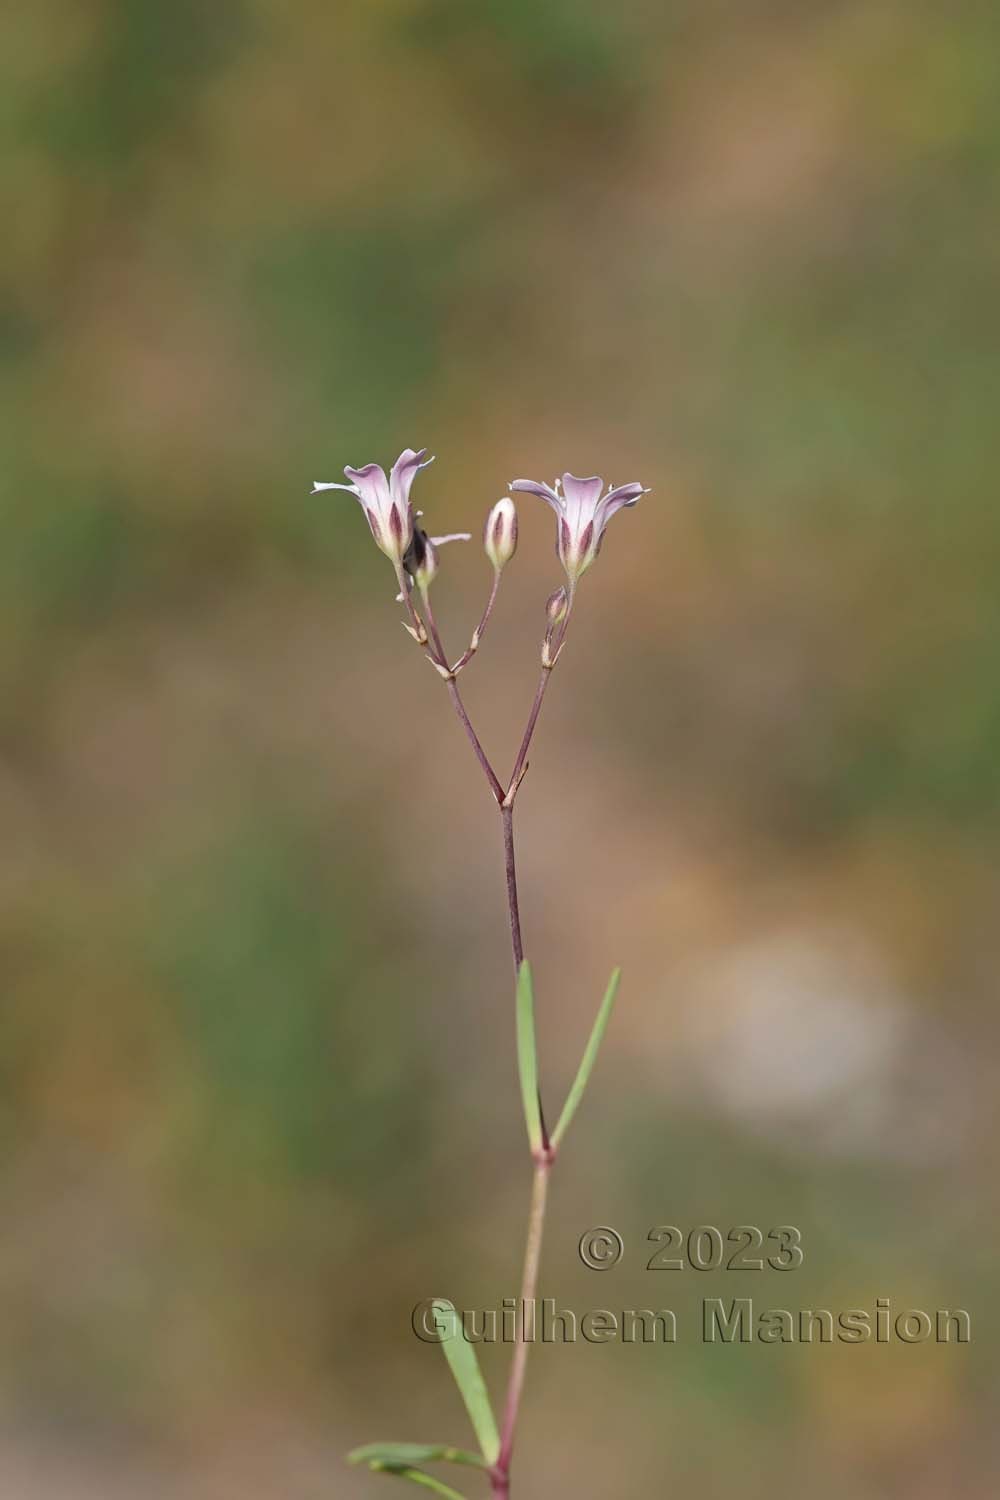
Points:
(500, 1473)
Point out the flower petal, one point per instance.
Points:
(404, 471)
(584, 493)
(453, 536)
(617, 499)
(318, 485)
(532, 487)
(372, 486)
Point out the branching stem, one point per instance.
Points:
(437, 655)
(505, 798)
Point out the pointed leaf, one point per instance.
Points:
(527, 1056)
(589, 1058)
(417, 1476)
(407, 1455)
(464, 1365)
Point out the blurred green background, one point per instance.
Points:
(256, 1034)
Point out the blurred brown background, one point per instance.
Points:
(258, 1077)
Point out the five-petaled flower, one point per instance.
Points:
(386, 501)
(582, 513)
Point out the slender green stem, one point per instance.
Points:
(500, 1476)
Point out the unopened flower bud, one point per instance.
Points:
(421, 560)
(500, 533)
(555, 607)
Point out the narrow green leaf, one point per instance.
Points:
(589, 1058)
(407, 1455)
(527, 1056)
(417, 1476)
(464, 1365)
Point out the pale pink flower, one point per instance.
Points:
(386, 501)
(582, 513)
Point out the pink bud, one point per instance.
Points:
(555, 607)
(421, 559)
(500, 533)
(427, 570)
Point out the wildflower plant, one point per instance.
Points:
(582, 510)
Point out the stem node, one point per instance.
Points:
(508, 800)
